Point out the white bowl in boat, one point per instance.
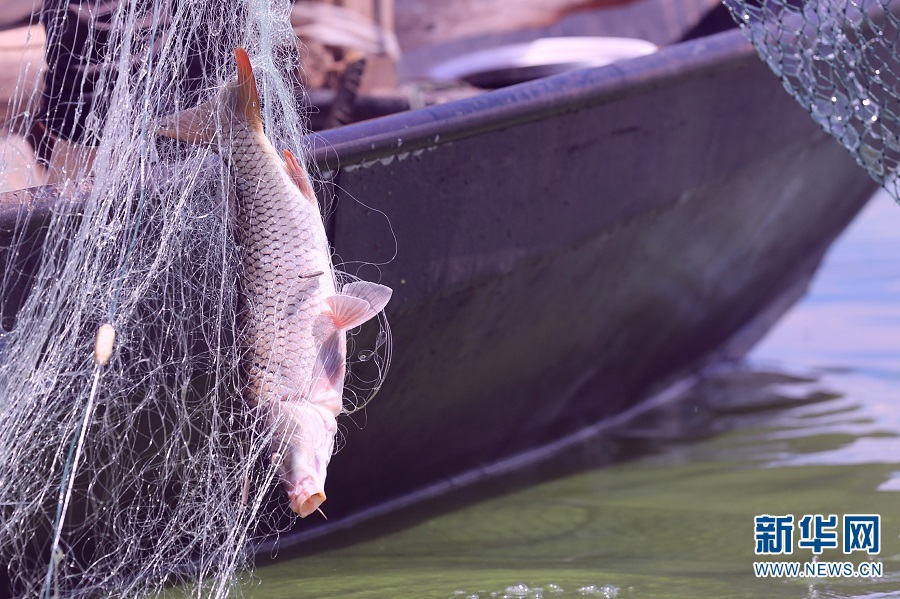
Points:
(505, 65)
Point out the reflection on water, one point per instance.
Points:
(665, 506)
(851, 319)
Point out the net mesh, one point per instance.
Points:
(839, 59)
(124, 479)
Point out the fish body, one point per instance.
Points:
(294, 319)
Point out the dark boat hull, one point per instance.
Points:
(568, 247)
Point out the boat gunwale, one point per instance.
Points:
(365, 142)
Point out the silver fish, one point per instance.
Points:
(295, 321)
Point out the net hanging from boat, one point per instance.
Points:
(125, 478)
(840, 59)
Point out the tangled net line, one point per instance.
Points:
(121, 480)
(839, 60)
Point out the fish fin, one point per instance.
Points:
(376, 295)
(199, 125)
(357, 303)
(196, 125)
(348, 311)
(247, 94)
(298, 176)
(331, 358)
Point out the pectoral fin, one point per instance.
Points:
(349, 312)
(357, 303)
(332, 359)
(376, 295)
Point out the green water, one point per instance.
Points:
(664, 506)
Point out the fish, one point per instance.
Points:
(294, 319)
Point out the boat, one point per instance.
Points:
(561, 251)
(568, 248)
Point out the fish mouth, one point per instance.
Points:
(305, 501)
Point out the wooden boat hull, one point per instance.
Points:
(567, 247)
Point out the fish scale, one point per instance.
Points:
(294, 322)
(272, 212)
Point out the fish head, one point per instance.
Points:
(305, 463)
(305, 497)
(306, 469)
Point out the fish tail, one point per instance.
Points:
(247, 95)
(202, 124)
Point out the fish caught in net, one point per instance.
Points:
(155, 389)
(840, 59)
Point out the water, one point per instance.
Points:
(665, 507)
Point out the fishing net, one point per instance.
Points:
(839, 60)
(125, 478)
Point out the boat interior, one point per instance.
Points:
(368, 58)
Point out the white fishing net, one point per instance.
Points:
(124, 479)
(840, 59)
